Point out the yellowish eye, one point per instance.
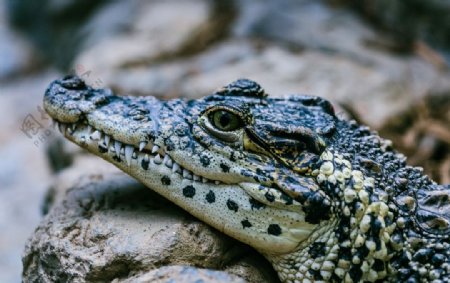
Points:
(225, 121)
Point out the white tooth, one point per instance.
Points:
(134, 155)
(187, 174)
(83, 139)
(157, 159)
(146, 159)
(216, 182)
(197, 178)
(107, 139)
(166, 157)
(96, 135)
(204, 180)
(155, 148)
(89, 129)
(168, 162)
(175, 167)
(142, 144)
(128, 153)
(122, 151)
(112, 149)
(62, 128)
(117, 146)
(55, 124)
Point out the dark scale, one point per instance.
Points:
(210, 197)
(246, 224)
(144, 164)
(205, 160)
(256, 204)
(232, 205)
(189, 191)
(165, 180)
(274, 229)
(269, 197)
(102, 148)
(225, 168)
(316, 249)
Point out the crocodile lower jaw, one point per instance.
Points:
(146, 153)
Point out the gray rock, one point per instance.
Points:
(106, 226)
(182, 274)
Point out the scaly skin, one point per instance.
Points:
(323, 199)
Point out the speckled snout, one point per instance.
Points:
(130, 120)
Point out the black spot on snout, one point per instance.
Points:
(225, 168)
(144, 164)
(274, 229)
(210, 197)
(205, 160)
(246, 224)
(165, 180)
(232, 205)
(189, 191)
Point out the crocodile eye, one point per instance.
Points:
(224, 120)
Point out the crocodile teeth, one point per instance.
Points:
(175, 167)
(187, 174)
(117, 147)
(89, 129)
(197, 178)
(72, 128)
(157, 159)
(146, 158)
(129, 153)
(216, 182)
(142, 144)
(96, 135)
(168, 161)
(62, 128)
(204, 180)
(155, 149)
(107, 139)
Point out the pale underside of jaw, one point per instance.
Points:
(145, 154)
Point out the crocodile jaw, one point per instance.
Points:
(224, 201)
(208, 200)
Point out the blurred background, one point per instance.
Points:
(384, 63)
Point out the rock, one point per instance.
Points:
(106, 226)
(183, 274)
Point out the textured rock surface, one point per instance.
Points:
(106, 226)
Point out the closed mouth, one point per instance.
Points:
(143, 155)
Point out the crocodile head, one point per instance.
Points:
(283, 175)
(238, 160)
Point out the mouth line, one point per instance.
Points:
(147, 152)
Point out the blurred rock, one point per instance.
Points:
(16, 54)
(409, 20)
(106, 226)
(24, 173)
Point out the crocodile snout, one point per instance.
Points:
(69, 98)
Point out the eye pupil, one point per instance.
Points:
(225, 121)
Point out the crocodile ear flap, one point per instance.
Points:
(433, 210)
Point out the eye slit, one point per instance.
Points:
(225, 120)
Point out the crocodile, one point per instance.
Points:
(322, 198)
